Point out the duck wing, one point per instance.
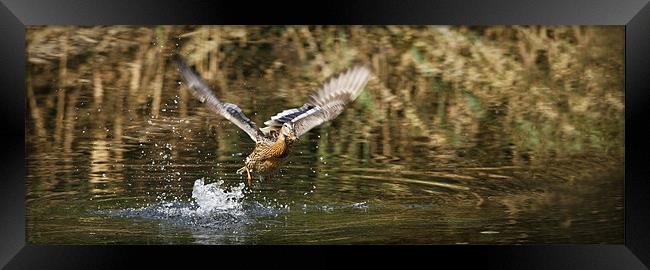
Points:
(200, 90)
(324, 104)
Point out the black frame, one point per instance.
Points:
(634, 14)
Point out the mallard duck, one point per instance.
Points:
(274, 142)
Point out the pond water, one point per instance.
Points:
(117, 160)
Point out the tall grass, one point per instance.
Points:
(539, 91)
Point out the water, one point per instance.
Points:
(112, 160)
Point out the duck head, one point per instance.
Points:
(288, 133)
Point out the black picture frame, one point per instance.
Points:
(15, 15)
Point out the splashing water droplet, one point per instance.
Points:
(212, 197)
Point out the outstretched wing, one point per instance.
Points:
(285, 116)
(324, 104)
(202, 91)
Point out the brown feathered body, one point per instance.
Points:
(274, 142)
(267, 157)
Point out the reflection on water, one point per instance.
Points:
(465, 135)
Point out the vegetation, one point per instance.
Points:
(537, 91)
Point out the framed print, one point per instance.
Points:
(509, 133)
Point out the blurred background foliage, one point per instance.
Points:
(536, 91)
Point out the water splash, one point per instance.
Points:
(213, 207)
(212, 197)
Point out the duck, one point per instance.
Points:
(274, 142)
